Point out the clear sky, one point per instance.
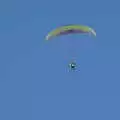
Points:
(34, 80)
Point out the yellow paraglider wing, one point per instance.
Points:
(70, 29)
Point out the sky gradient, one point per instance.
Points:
(35, 83)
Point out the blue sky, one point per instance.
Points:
(35, 83)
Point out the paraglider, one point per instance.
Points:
(71, 29)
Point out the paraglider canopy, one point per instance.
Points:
(70, 29)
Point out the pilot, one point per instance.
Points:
(72, 65)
